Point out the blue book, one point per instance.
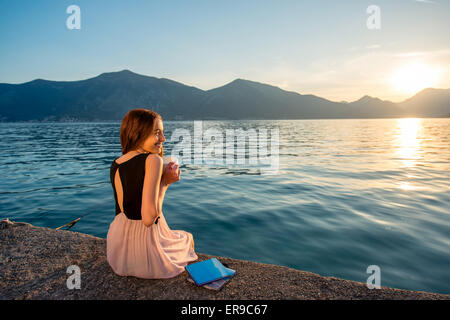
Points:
(208, 270)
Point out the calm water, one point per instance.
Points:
(348, 194)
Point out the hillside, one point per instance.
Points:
(110, 95)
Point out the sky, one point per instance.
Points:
(337, 50)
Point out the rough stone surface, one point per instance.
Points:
(34, 260)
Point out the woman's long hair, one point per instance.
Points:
(136, 126)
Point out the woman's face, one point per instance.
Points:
(154, 141)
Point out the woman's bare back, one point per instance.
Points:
(117, 182)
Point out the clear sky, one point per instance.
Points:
(310, 47)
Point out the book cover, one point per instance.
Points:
(215, 285)
(208, 271)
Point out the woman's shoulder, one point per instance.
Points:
(153, 161)
(128, 157)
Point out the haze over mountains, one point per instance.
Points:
(110, 95)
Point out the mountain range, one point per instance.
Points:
(110, 95)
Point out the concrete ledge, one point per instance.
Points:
(34, 260)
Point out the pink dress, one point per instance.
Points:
(132, 249)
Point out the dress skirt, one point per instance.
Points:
(154, 252)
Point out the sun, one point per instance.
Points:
(414, 77)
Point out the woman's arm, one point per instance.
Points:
(162, 193)
(170, 175)
(151, 190)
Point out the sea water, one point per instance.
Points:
(347, 194)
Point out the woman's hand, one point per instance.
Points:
(171, 174)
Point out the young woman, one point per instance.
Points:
(139, 241)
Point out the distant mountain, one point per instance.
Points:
(369, 107)
(110, 95)
(428, 103)
(106, 97)
(243, 99)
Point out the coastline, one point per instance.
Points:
(34, 262)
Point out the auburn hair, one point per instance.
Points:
(136, 126)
